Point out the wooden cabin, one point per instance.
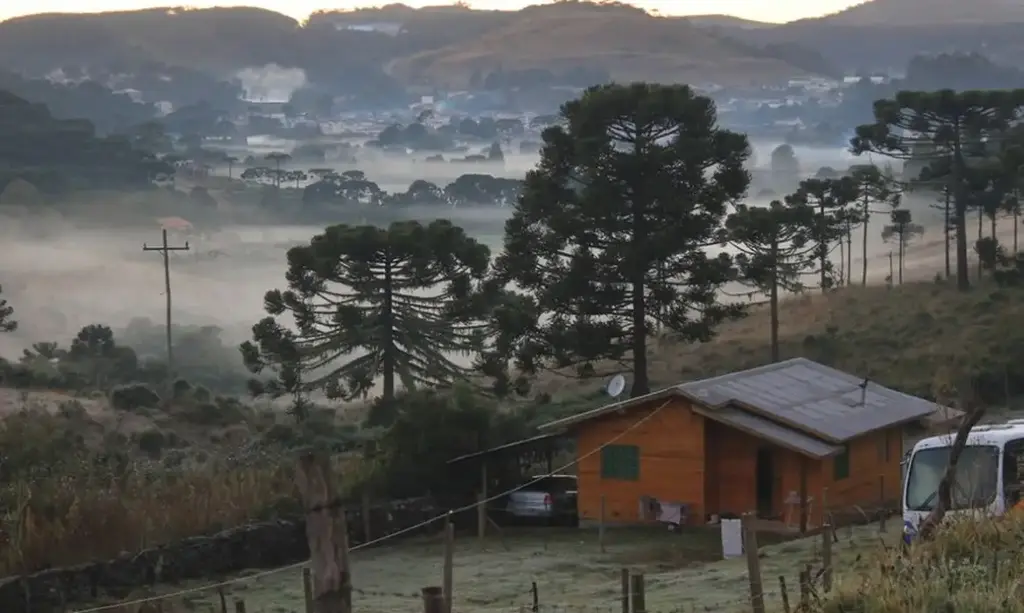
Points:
(774, 440)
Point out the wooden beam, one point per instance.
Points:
(803, 495)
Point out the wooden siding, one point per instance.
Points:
(671, 461)
(874, 472)
(713, 468)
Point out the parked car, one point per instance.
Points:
(550, 500)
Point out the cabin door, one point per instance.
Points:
(765, 482)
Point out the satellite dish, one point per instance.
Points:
(615, 386)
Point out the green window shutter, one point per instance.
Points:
(841, 465)
(620, 462)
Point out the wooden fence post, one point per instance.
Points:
(239, 605)
(481, 515)
(433, 599)
(882, 511)
(826, 556)
(805, 589)
(753, 564)
(307, 589)
(367, 535)
(785, 594)
(327, 534)
(637, 592)
(600, 525)
(449, 555)
(625, 590)
(536, 597)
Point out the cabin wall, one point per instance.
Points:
(671, 462)
(732, 476)
(874, 475)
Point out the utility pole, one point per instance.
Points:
(165, 251)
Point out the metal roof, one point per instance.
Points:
(811, 397)
(798, 394)
(772, 432)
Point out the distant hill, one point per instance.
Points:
(627, 43)
(727, 21)
(886, 34)
(448, 44)
(925, 13)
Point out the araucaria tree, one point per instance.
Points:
(873, 187)
(902, 230)
(776, 247)
(948, 124)
(370, 303)
(831, 200)
(7, 323)
(609, 237)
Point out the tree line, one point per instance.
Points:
(619, 231)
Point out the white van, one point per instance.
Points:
(989, 474)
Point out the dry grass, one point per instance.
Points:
(905, 337)
(75, 518)
(631, 45)
(971, 567)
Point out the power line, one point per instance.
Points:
(386, 537)
(165, 251)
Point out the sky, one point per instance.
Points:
(758, 10)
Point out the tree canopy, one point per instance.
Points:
(608, 238)
(392, 303)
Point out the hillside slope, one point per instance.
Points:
(926, 13)
(628, 44)
(437, 45)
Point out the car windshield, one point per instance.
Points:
(974, 486)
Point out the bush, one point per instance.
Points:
(971, 566)
(152, 442)
(133, 397)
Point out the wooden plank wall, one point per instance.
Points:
(671, 462)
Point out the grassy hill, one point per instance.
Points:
(444, 43)
(630, 44)
(926, 13)
(919, 338)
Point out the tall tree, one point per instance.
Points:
(947, 123)
(901, 229)
(608, 238)
(830, 199)
(785, 168)
(873, 187)
(775, 248)
(371, 303)
(7, 323)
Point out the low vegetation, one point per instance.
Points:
(971, 565)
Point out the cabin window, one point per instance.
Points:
(841, 465)
(621, 462)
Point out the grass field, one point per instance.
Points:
(684, 572)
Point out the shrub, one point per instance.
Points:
(133, 397)
(152, 443)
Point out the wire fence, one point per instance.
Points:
(550, 569)
(559, 571)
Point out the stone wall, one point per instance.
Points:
(264, 545)
(257, 546)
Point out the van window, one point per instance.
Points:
(974, 486)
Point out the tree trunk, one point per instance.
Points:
(903, 251)
(842, 263)
(388, 329)
(963, 280)
(948, 220)
(864, 251)
(822, 250)
(849, 254)
(930, 525)
(981, 234)
(773, 301)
